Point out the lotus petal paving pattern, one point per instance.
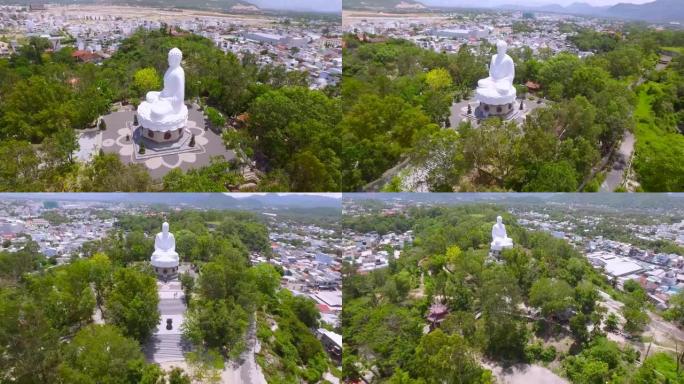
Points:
(121, 137)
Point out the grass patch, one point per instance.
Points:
(658, 151)
(679, 50)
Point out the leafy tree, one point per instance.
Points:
(267, 280)
(441, 358)
(217, 324)
(491, 148)
(438, 78)
(578, 326)
(132, 303)
(552, 296)
(559, 177)
(676, 310)
(101, 275)
(217, 120)
(66, 295)
(658, 368)
(635, 319)
(108, 173)
(310, 174)
(305, 310)
(506, 336)
(19, 167)
(28, 343)
(187, 283)
(443, 151)
(612, 323)
(101, 354)
(213, 178)
(146, 79)
(290, 121)
(177, 376)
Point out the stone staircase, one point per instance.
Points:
(166, 347)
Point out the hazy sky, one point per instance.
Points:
(301, 5)
(532, 2)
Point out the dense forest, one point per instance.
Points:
(46, 97)
(48, 332)
(399, 98)
(538, 303)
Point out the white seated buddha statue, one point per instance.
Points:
(166, 110)
(165, 255)
(500, 239)
(498, 89)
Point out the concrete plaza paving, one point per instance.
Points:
(459, 111)
(121, 138)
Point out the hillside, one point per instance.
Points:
(656, 11)
(659, 10)
(224, 5)
(383, 4)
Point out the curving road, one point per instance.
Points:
(246, 370)
(622, 162)
(523, 374)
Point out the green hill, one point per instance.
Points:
(382, 4)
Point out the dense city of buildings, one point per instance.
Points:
(313, 46)
(72, 225)
(448, 32)
(309, 256)
(660, 273)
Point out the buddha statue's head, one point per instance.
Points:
(175, 57)
(165, 228)
(501, 47)
(499, 220)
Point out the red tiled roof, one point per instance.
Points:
(323, 308)
(85, 55)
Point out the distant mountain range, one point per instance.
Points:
(657, 11)
(219, 5)
(617, 201)
(661, 11)
(201, 200)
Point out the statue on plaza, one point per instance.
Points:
(165, 255)
(498, 89)
(500, 239)
(165, 112)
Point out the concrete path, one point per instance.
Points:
(246, 370)
(168, 345)
(624, 155)
(87, 145)
(623, 158)
(524, 374)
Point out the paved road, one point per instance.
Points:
(664, 329)
(615, 176)
(524, 374)
(623, 157)
(246, 370)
